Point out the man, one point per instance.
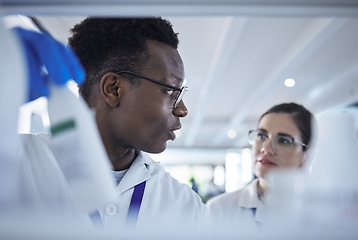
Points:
(134, 83)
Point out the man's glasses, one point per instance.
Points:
(179, 91)
(281, 144)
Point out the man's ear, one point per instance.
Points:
(110, 89)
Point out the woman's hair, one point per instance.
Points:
(114, 44)
(300, 115)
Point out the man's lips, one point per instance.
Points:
(266, 162)
(172, 134)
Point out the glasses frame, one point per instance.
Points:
(294, 141)
(180, 90)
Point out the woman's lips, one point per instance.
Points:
(267, 162)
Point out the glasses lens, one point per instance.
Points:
(180, 96)
(252, 137)
(257, 138)
(282, 144)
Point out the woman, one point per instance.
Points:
(281, 140)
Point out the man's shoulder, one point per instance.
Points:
(236, 198)
(163, 179)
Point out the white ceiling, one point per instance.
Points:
(237, 57)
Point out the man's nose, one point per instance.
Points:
(180, 110)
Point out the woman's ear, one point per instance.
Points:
(304, 160)
(110, 89)
(309, 156)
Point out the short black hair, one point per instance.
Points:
(303, 119)
(113, 44)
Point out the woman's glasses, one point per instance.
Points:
(281, 144)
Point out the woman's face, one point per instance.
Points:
(265, 159)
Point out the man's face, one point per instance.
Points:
(145, 119)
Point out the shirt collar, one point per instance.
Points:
(137, 172)
(249, 197)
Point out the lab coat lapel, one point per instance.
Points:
(136, 174)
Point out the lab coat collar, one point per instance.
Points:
(249, 198)
(137, 173)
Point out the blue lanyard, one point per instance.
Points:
(259, 224)
(134, 206)
(136, 201)
(254, 211)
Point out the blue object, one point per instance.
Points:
(48, 61)
(134, 207)
(135, 204)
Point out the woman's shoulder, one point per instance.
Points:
(232, 198)
(229, 198)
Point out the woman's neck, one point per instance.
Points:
(262, 186)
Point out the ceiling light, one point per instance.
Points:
(231, 133)
(289, 82)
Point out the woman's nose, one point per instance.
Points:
(180, 110)
(267, 147)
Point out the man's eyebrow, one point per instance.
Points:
(176, 77)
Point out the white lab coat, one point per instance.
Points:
(165, 200)
(235, 208)
(42, 184)
(44, 207)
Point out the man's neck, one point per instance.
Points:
(123, 161)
